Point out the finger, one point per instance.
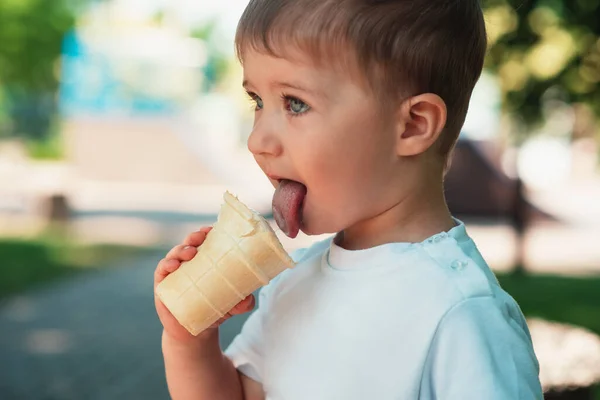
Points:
(195, 238)
(182, 252)
(165, 267)
(206, 229)
(174, 252)
(221, 320)
(243, 306)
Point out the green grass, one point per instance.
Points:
(28, 263)
(49, 148)
(556, 298)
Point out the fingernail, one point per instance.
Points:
(187, 247)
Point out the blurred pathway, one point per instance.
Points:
(97, 336)
(93, 337)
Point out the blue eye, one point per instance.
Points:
(258, 103)
(296, 106)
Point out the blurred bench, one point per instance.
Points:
(476, 186)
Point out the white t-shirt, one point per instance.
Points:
(399, 321)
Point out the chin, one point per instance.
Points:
(314, 230)
(316, 222)
(308, 229)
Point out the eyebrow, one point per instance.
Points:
(290, 85)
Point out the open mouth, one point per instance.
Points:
(288, 202)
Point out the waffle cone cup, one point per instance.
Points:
(239, 255)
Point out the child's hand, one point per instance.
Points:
(185, 252)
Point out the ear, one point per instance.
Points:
(421, 120)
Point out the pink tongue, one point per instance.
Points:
(287, 206)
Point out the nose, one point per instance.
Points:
(264, 140)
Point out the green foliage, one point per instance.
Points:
(218, 62)
(206, 31)
(4, 114)
(31, 34)
(536, 45)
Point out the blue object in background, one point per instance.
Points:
(88, 86)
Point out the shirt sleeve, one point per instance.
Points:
(481, 352)
(246, 351)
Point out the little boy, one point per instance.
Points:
(358, 106)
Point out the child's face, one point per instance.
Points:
(318, 127)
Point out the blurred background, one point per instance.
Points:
(122, 122)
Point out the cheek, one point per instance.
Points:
(343, 162)
(343, 174)
(358, 154)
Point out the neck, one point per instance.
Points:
(419, 214)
